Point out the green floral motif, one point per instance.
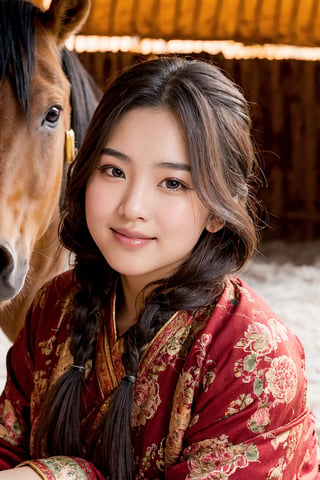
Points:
(250, 363)
(258, 386)
(252, 453)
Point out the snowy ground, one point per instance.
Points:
(287, 277)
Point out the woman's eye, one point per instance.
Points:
(173, 184)
(116, 172)
(112, 171)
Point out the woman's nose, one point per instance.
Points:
(136, 203)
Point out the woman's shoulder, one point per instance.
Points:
(52, 303)
(239, 300)
(242, 319)
(60, 282)
(47, 324)
(250, 349)
(56, 289)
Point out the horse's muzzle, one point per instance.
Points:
(12, 272)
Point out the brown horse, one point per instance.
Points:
(44, 91)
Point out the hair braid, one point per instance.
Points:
(114, 434)
(58, 429)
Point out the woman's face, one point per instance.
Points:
(141, 208)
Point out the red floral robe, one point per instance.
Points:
(219, 395)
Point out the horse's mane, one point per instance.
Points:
(84, 94)
(17, 46)
(17, 61)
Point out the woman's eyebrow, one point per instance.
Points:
(174, 166)
(122, 156)
(114, 153)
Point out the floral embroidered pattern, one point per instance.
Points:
(274, 380)
(184, 396)
(10, 429)
(175, 347)
(258, 340)
(47, 345)
(180, 417)
(282, 379)
(146, 401)
(235, 406)
(153, 455)
(286, 442)
(218, 459)
(58, 468)
(259, 420)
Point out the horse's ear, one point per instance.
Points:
(66, 17)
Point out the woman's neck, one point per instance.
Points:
(130, 303)
(126, 307)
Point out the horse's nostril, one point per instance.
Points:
(6, 260)
(12, 272)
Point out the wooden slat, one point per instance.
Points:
(295, 22)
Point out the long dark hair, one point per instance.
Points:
(215, 118)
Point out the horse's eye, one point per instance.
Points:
(52, 116)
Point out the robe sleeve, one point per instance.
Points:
(72, 468)
(16, 400)
(15, 404)
(239, 409)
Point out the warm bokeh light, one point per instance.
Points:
(229, 49)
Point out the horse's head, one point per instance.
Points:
(35, 113)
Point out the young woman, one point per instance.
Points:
(150, 359)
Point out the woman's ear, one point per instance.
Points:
(214, 225)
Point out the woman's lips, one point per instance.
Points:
(130, 238)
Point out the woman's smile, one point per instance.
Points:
(131, 239)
